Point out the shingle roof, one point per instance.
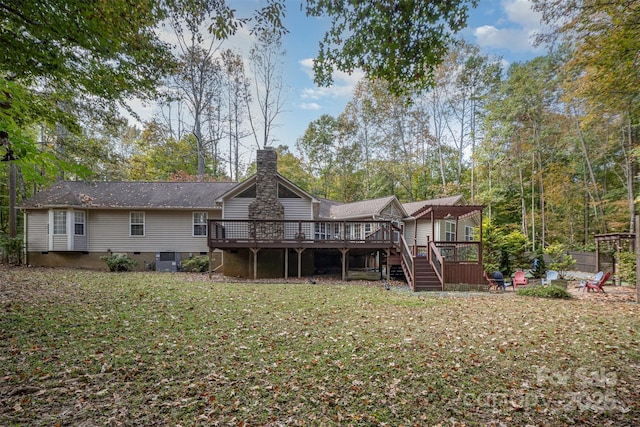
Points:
(119, 194)
(361, 209)
(326, 206)
(414, 207)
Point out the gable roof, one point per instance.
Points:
(239, 188)
(413, 207)
(131, 195)
(365, 208)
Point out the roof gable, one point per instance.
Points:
(251, 181)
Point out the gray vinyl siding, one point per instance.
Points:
(37, 231)
(163, 231)
(409, 232)
(80, 243)
(237, 208)
(424, 230)
(59, 242)
(297, 209)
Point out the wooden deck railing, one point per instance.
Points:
(462, 251)
(299, 233)
(407, 262)
(437, 261)
(453, 262)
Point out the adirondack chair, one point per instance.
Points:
(493, 283)
(598, 286)
(596, 279)
(551, 275)
(519, 279)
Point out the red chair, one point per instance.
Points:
(493, 283)
(597, 286)
(519, 279)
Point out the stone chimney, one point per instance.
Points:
(266, 205)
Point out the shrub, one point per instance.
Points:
(119, 262)
(198, 264)
(627, 267)
(11, 249)
(559, 259)
(551, 291)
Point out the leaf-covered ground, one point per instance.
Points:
(90, 348)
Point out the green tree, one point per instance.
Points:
(604, 37)
(559, 259)
(319, 153)
(159, 155)
(398, 41)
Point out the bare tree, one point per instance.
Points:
(238, 95)
(266, 64)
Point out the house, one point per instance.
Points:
(265, 226)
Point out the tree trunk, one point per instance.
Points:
(13, 229)
(595, 194)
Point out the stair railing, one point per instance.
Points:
(437, 262)
(407, 263)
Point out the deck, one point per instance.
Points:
(301, 234)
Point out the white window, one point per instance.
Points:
(450, 231)
(59, 222)
(357, 232)
(199, 223)
(469, 233)
(78, 223)
(321, 231)
(136, 223)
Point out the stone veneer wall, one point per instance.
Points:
(266, 205)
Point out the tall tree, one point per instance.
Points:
(319, 153)
(238, 97)
(198, 81)
(604, 37)
(266, 62)
(398, 41)
(359, 120)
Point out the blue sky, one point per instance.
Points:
(499, 27)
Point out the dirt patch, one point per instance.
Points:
(611, 293)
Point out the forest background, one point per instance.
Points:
(549, 146)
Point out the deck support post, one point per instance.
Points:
(345, 261)
(255, 262)
(286, 263)
(210, 263)
(299, 251)
(388, 253)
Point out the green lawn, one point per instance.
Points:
(167, 349)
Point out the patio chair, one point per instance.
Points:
(597, 286)
(493, 283)
(519, 280)
(551, 275)
(596, 279)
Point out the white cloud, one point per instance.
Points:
(520, 12)
(343, 83)
(310, 106)
(516, 32)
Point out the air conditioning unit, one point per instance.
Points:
(167, 261)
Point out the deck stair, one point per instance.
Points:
(426, 278)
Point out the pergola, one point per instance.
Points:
(456, 212)
(617, 239)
